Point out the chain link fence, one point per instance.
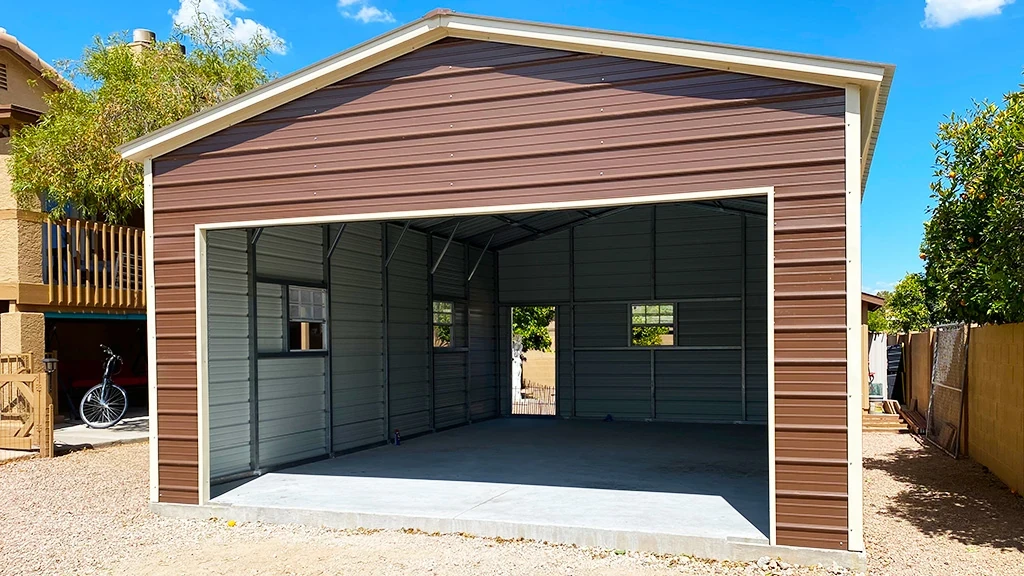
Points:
(949, 375)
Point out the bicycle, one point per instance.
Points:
(105, 403)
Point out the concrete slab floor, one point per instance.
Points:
(497, 477)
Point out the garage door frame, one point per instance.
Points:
(201, 290)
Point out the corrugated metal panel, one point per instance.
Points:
(504, 357)
(292, 409)
(613, 382)
(450, 276)
(483, 391)
(527, 126)
(409, 344)
(449, 389)
(536, 272)
(357, 337)
(698, 385)
(757, 319)
(270, 317)
(227, 332)
(563, 356)
(602, 325)
(291, 253)
(613, 257)
(699, 253)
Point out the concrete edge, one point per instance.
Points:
(658, 543)
(67, 448)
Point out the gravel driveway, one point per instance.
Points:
(85, 513)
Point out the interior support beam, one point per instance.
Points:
(397, 243)
(517, 223)
(567, 226)
(445, 249)
(483, 251)
(256, 236)
(717, 207)
(337, 238)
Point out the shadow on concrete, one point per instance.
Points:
(959, 499)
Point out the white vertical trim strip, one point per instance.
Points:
(154, 451)
(202, 369)
(854, 367)
(772, 523)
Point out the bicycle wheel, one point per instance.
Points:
(103, 406)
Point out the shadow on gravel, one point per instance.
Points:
(956, 498)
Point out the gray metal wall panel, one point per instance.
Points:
(409, 343)
(227, 332)
(450, 276)
(602, 325)
(291, 252)
(613, 257)
(698, 253)
(449, 389)
(504, 356)
(482, 340)
(613, 382)
(292, 409)
(563, 357)
(696, 385)
(714, 323)
(270, 317)
(357, 337)
(536, 272)
(757, 319)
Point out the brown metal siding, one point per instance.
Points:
(465, 123)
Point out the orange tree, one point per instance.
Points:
(974, 241)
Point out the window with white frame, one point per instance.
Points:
(307, 318)
(652, 324)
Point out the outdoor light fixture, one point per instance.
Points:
(50, 365)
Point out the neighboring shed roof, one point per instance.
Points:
(873, 78)
(26, 55)
(871, 301)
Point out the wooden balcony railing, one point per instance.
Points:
(94, 265)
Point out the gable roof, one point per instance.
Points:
(30, 58)
(874, 79)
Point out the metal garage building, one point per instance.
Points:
(309, 237)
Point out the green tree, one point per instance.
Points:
(876, 321)
(531, 324)
(115, 94)
(974, 263)
(906, 307)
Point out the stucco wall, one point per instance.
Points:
(19, 90)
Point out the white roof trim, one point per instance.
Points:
(874, 79)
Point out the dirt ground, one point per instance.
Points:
(85, 513)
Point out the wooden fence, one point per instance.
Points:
(94, 264)
(26, 406)
(993, 422)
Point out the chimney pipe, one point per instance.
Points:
(141, 39)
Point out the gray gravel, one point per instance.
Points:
(925, 513)
(85, 513)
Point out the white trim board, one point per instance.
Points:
(874, 79)
(154, 467)
(854, 367)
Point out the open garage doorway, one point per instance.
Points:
(534, 361)
(644, 331)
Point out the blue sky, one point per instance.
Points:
(947, 52)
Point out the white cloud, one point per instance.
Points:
(239, 29)
(366, 12)
(945, 13)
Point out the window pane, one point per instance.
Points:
(652, 324)
(307, 304)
